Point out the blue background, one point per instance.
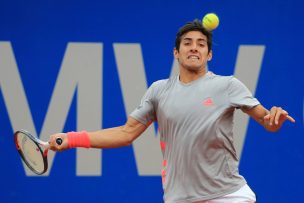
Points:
(39, 32)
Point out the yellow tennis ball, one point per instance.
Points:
(210, 21)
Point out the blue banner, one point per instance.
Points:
(74, 65)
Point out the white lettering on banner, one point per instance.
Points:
(247, 69)
(134, 85)
(81, 71)
(13, 93)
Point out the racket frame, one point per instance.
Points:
(38, 143)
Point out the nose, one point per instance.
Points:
(194, 47)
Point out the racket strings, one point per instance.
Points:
(31, 152)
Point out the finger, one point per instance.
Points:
(272, 114)
(278, 115)
(291, 119)
(51, 143)
(52, 147)
(267, 117)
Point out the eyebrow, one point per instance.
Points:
(190, 39)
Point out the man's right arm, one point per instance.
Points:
(106, 138)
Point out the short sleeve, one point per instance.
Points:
(239, 95)
(145, 112)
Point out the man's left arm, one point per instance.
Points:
(271, 120)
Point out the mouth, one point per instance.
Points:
(193, 57)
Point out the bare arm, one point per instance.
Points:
(118, 136)
(106, 138)
(271, 120)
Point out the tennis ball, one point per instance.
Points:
(210, 21)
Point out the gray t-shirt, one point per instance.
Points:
(195, 125)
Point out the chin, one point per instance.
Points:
(194, 68)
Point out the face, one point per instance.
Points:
(193, 52)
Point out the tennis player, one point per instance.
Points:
(194, 111)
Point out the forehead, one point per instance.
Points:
(194, 35)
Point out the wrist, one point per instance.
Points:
(78, 139)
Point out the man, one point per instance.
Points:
(194, 111)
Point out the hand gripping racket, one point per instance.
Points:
(33, 151)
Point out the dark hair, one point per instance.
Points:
(195, 25)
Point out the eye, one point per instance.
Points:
(186, 43)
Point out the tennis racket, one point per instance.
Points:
(33, 151)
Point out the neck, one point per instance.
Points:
(186, 75)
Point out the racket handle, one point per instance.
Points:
(59, 141)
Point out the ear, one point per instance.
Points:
(175, 53)
(209, 57)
